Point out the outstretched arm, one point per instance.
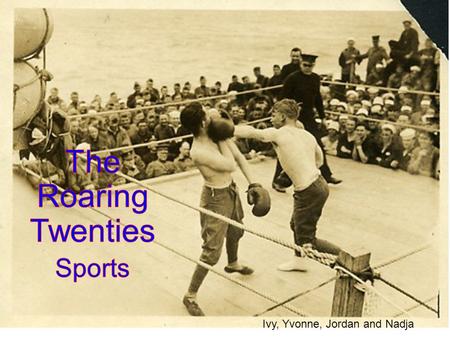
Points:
(264, 135)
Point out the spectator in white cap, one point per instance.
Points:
(408, 137)
(361, 115)
(425, 157)
(413, 79)
(391, 150)
(334, 104)
(346, 140)
(348, 60)
(330, 141)
(366, 148)
(342, 121)
(372, 91)
(366, 104)
(342, 108)
(425, 106)
(376, 111)
(378, 100)
(376, 76)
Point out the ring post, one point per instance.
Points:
(348, 300)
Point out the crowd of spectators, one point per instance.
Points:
(362, 123)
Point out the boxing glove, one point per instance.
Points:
(283, 180)
(259, 198)
(220, 129)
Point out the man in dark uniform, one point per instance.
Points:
(375, 54)
(294, 65)
(304, 87)
(405, 49)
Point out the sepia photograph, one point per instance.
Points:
(258, 165)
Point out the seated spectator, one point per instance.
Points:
(116, 135)
(408, 137)
(346, 140)
(184, 161)
(143, 135)
(75, 134)
(361, 115)
(416, 118)
(161, 166)
(152, 120)
(164, 130)
(96, 141)
(342, 122)
(125, 123)
(395, 79)
(174, 120)
(376, 76)
(403, 119)
(366, 148)
(330, 141)
(46, 171)
(425, 157)
(259, 99)
(129, 166)
(81, 179)
(372, 92)
(391, 151)
(186, 94)
(413, 80)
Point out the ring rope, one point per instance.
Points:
(321, 257)
(407, 294)
(324, 258)
(179, 253)
(172, 139)
(431, 130)
(402, 256)
(366, 285)
(290, 299)
(415, 306)
(382, 88)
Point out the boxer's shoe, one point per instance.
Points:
(192, 307)
(295, 264)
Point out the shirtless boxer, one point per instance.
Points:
(216, 155)
(300, 156)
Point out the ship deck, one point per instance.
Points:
(386, 212)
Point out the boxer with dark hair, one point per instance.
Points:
(215, 155)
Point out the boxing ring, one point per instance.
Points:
(391, 220)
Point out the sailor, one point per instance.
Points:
(376, 54)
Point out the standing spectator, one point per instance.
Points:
(294, 65)
(161, 166)
(429, 69)
(425, 157)
(235, 85)
(154, 93)
(391, 151)
(176, 91)
(74, 101)
(186, 94)
(365, 147)
(376, 54)
(202, 90)
(184, 161)
(262, 80)
(54, 100)
(330, 141)
(408, 137)
(346, 141)
(347, 61)
(131, 100)
(275, 80)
